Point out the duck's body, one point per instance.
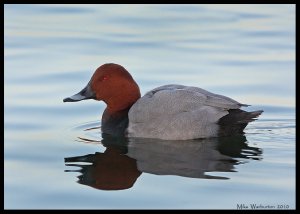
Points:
(181, 112)
(170, 112)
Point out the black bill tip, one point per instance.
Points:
(68, 99)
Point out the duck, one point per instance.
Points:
(168, 112)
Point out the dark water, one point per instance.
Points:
(55, 156)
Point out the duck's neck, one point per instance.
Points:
(115, 116)
(122, 100)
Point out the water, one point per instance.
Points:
(246, 52)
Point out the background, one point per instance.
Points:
(246, 52)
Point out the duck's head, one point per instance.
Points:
(112, 84)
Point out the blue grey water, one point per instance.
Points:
(246, 52)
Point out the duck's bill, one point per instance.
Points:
(84, 94)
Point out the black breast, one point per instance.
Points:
(115, 124)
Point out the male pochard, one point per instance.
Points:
(169, 112)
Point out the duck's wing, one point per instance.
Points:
(201, 95)
(167, 108)
(172, 99)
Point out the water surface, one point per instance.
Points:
(55, 156)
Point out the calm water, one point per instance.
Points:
(246, 52)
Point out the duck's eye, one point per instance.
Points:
(104, 78)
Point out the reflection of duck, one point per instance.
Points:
(170, 112)
(190, 158)
(125, 159)
(110, 170)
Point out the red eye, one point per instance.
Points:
(104, 78)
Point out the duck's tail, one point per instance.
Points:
(235, 122)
